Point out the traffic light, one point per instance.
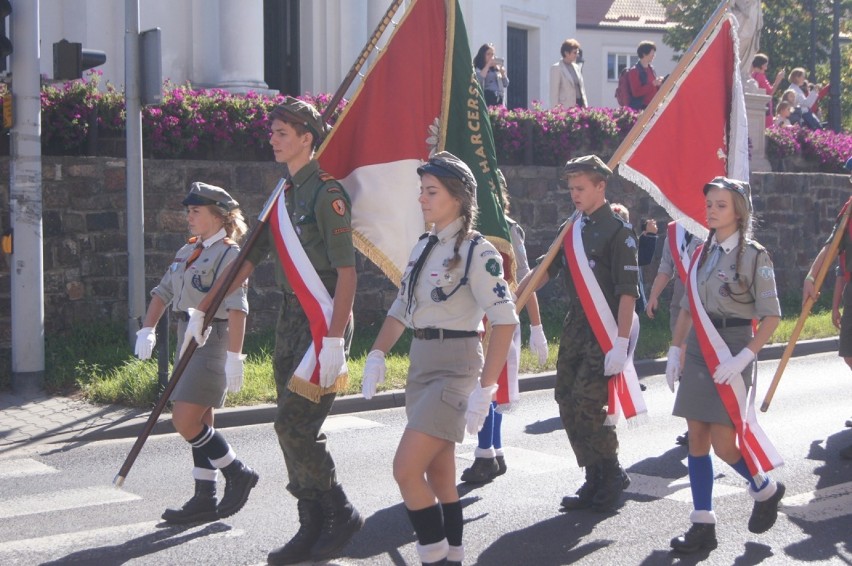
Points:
(5, 42)
(70, 60)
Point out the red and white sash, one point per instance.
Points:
(508, 391)
(625, 395)
(677, 246)
(313, 297)
(757, 450)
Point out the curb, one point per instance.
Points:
(263, 414)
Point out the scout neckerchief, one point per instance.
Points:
(757, 450)
(677, 246)
(314, 299)
(625, 395)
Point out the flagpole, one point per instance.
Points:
(668, 85)
(362, 58)
(831, 253)
(634, 133)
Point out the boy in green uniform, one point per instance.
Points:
(582, 368)
(321, 217)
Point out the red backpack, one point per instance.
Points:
(622, 91)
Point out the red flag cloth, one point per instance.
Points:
(698, 131)
(381, 137)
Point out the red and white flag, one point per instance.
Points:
(697, 132)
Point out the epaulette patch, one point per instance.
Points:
(333, 190)
(192, 240)
(323, 176)
(229, 241)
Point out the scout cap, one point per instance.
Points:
(586, 164)
(299, 112)
(445, 164)
(201, 194)
(739, 187)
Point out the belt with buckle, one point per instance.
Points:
(441, 334)
(730, 322)
(184, 316)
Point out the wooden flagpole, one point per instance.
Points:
(629, 140)
(827, 261)
(235, 266)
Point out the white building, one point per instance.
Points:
(297, 46)
(609, 32)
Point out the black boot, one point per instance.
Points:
(700, 536)
(298, 549)
(501, 465)
(614, 480)
(587, 491)
(483, 470)
(201, 508)
(340, 521)
(239, 481)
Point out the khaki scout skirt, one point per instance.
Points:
(203, 381)
(697, 398)
(440, 378)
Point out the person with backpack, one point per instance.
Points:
(642, 79)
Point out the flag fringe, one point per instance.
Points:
(374, 254)
(313, 392)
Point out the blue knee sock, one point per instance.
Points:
(486, 435)
(498, 422)
(701, 481)
(742, 469)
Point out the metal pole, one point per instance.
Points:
(135, 207)
(834, 118)
(26, 202)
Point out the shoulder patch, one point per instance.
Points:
(338, 205)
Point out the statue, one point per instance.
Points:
(750, 19)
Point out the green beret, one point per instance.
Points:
(586, 164)
(202, 194)
(445, 164)
(300, 112)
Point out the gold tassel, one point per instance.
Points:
(313, 392)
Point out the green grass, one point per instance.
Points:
(96, 361)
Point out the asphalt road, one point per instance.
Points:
(58, 505)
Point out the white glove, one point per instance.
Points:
(374, 373)
(617, 357)
(234, 371)
(146, 339)
(332, 360)
(193, 330)
(727, 370)
(538, 343)
(478, 406)
(673, 367)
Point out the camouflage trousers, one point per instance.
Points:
(581, 393)
(310, 467)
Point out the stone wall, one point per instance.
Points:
(85, 250)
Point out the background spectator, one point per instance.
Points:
(759, 66)
(566, 80)
(491, 74)
(644, 82)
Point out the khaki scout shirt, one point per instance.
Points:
(184, 288)
(610, 246)
(486, 292)
(667, 262)
(752, 296)
(322, 218)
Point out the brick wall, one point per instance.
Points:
(85, 259)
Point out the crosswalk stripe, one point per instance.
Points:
(61, 544)
(675, 489)
(337, 423)
(62, 500)
(820, 505)
(527, 461)
(23, 467)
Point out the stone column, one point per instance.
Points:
(756, 114)
(241, 46)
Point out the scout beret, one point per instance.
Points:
(445, 164)
(739, 187)
(586, 164)
(299, 112)
(201, 194)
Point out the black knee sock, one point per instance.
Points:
(453, 522)
(428, 524)
(203, 469)
(213, 445)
